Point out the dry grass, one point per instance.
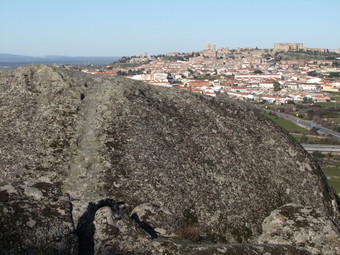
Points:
(191, 232)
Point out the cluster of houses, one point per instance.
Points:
(255, 87)
(246, 74)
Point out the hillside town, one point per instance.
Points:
(287, 73)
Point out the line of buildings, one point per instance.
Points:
(247, 74)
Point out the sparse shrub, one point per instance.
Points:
(317, 154)
(190, 232)
(313, 131)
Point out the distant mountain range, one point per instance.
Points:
(19, 60)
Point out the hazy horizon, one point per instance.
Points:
(126, 28)
(56, 56)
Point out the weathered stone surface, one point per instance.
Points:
(236, 249)
(121, 236)
(32, 223)
(69, 140)
(300, 226)
(163, 220)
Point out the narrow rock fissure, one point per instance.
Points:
(70, 210)
(150, 230)
(85, 229)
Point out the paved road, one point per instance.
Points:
(307, 124)
(321, 147)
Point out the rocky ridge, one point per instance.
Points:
(82, 153)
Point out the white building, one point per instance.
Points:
(309, 86)
(266, 85)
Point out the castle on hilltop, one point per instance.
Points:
(299, 46)
(211, 50)
(288, 46)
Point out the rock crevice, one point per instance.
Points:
(85, 229)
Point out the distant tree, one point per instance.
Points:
(313, 131)
(277, 86)
(307, 100)
(317, 154)
(121, 73)
(190, 71)
(334, 74)
(232, 76)
(312, 73)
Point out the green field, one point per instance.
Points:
(288, 125)
(332, 171)
(336, 98)
(312, 139)
(335, 120)
(335, 184)
(329, 105)
(333, 175)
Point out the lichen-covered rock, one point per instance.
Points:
(33, 222)
(119, 236)
(236, 249)
(163, 220)
(70, 142)
(301, 226)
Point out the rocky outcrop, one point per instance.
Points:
(300, 226)
(70, 141)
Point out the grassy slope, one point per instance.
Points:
(333, 176)
(332, 173)
(288, 125)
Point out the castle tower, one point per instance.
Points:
(211, 46)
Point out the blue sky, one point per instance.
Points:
(132, 27)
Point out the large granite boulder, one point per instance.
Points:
(74, 145)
